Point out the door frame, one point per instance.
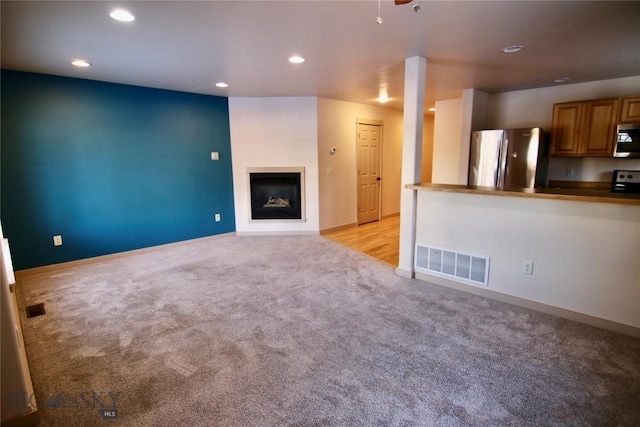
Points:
(372, 122)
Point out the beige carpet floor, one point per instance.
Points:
(301, 331)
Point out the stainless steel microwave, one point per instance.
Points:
(627, 141)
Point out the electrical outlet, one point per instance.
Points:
(57, 240)
(569, 172)
(527, 267)
(218, 217)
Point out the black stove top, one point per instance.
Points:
(625, 181)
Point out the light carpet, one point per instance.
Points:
(301, 331)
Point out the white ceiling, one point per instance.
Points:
(189, 46)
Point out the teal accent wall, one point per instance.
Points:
(109, 167)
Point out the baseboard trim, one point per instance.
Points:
(410, 274)
(586, 319)
(63, 265)
(277, 233)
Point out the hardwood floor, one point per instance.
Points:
(379, 239)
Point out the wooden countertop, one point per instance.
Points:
(571, 194)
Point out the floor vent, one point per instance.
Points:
(457, 266)
(35, 310)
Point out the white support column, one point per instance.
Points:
(414, 86)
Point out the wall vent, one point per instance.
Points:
(456, 266)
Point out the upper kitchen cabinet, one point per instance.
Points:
(630, 110)
(565, 128)
(599, 123)
(584, 128)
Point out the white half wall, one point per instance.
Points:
(585, 255)
(338, 190)
(274, 132)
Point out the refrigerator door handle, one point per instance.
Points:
(502, 170)
(500, 165)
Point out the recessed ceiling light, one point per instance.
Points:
(512, 49)
(296, 59)
(432, 109)
(122, 15)
(80, 63)
(562, 80)
(222, 84)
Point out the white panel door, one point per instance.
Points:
(369, 145)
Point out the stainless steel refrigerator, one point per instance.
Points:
(509, 158)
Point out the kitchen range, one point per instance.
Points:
(626, 181)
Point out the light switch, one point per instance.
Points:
(215, 155)
(330, 171)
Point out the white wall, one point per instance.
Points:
(447, 134)
(585, 254)
(474, 117)
(427, 147)
(534, 107)
(269, 132)
(337, 128)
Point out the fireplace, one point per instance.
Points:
(276, 193)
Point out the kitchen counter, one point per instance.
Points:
(570, 194)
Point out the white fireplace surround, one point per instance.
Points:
(284, 169)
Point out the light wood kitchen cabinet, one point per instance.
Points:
(599, 126)
(584, 128)
(630, 109)
(565, 129)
